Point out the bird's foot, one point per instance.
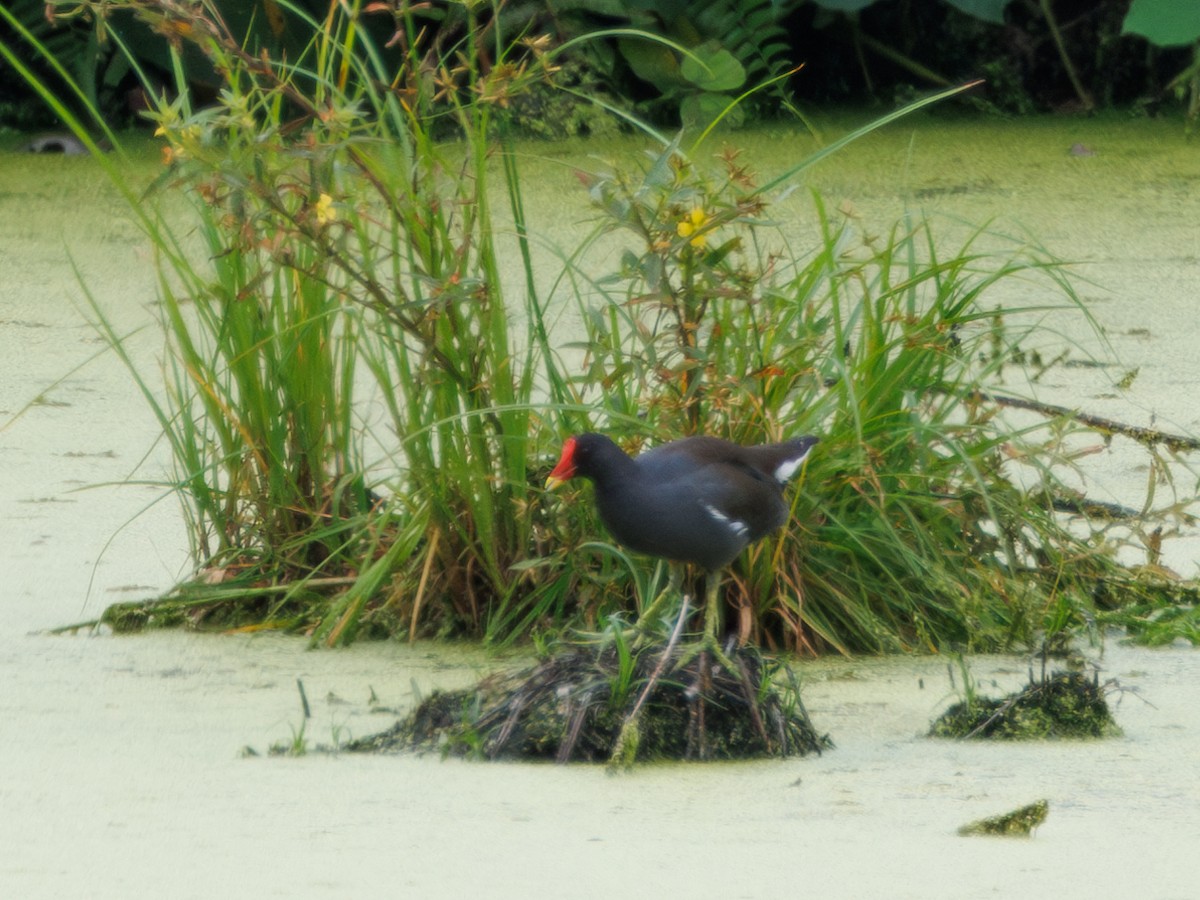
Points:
(712, 619)
(707, 643)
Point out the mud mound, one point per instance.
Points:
(614, 705)
(1062, 705)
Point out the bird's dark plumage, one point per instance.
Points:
(699, 500)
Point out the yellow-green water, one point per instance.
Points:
(120, 766)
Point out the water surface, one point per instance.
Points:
(121, 767)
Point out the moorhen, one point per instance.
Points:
(699, 500)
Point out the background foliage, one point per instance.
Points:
(1035, 54)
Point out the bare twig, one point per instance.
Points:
(662, 660)
(1085, 97)
(1147, 436)
(751, 702)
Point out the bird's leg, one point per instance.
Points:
(712, 619)
(673, 588)
(625, 746)
(712, 608)
(712, 625)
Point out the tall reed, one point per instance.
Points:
(344, 248)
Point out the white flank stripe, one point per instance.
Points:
(738, 527)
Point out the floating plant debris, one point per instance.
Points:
(1018, 823)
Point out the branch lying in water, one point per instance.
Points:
(1147, 436)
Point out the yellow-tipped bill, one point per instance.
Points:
(565, 470)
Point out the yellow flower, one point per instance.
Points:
(325, 210)
(692, 226)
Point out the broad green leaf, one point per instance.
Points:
(846, 6)
(652, 62)
(713, 68)
(1166, 23)
(668, 10)
(987, 10)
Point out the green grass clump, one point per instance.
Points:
(1062, 705)
(1020, 822)
(343, 260)
(1153, 607)
(575, 706)
(361, 419)
(924, 519)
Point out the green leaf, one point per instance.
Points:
(845, 6)
(668, 10)
(814, 158)
(652, 271)
(660, 173)
(713, 68)
(717, 255)
(1166, 23)
(652, 62)
(537, 562)
(987, 10)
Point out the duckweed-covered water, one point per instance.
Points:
(124, 769)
